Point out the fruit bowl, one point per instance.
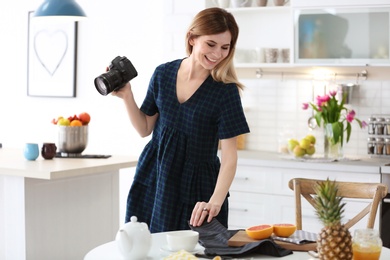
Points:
(72, 140)
(284, 230)
(260, 231)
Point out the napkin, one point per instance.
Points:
(214, 238)
(299, 237)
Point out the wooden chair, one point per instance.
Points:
(357, 190)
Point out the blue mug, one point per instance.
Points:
(31, 151)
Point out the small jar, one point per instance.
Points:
(380, 126)
(387, 146)
(366, 244)
(379, 144)
(371, 125)
(387, 126)
(371, 145)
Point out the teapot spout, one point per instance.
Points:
(125, 243)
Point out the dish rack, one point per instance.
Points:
(378, 141)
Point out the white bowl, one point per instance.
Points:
(182, 240)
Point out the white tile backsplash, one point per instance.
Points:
(274, 112)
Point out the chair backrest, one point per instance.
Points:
(356, 190)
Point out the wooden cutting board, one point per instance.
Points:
(241, 238)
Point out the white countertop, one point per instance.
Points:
(273, 159)
(13, 163)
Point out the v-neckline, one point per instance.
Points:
(193, 94)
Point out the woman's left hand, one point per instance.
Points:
(202, 211)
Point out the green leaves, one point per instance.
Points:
(328, 205)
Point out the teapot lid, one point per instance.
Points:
(133, 219)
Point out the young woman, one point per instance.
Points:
(191, 104)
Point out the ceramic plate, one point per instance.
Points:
(166, 251)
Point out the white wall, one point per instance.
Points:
(149, 33)
(131, 28)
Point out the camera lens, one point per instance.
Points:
(101, 85)
(108, 82)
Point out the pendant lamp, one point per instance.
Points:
(68, 9)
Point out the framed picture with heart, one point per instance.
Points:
(52, 57)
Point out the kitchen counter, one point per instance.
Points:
(273, 159)
(59, 208)
(12, 163)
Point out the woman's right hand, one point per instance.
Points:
(123, 92)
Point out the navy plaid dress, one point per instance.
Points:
(180, 166)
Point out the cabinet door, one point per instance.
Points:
(336, 3)
(260, 195)
(342, 35)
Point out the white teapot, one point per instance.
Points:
(134, 240)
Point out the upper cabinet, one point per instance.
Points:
(307, 32)
(342, 35)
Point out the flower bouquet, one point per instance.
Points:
(335, 118)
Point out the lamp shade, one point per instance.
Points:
(60, 8)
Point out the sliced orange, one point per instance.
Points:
(284, 230)
(260, 231)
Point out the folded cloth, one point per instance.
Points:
(214, 238)
(299, 237)
(181, 255)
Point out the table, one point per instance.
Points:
(110, 251)
(59, 208)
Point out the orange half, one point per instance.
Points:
(260, 231)
(284, 230)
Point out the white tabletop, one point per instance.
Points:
(110, 251)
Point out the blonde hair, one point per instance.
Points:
(212, 21)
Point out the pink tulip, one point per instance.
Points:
(305, 106)
(350, 116)
(321, 101)
(333, 93)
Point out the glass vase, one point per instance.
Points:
(332, 150)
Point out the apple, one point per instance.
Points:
(311, 150)
(299, 151)
(291, 144)
(311, 138)
(85, 118)
(305, 143)
(63, 122)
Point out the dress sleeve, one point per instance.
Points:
(149, 106)
(232, 121)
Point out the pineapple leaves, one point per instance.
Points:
(328, 205)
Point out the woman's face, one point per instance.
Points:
(210, 50)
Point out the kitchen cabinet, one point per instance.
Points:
(342, 35)
(262, 28)
(284, 27)
(260, 194)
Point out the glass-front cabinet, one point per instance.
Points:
(355, 36)
(304, 33)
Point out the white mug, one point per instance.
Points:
(222, 3)
(240, 3)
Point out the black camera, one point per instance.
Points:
(120, 72)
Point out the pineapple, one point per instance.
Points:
(335, 241)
